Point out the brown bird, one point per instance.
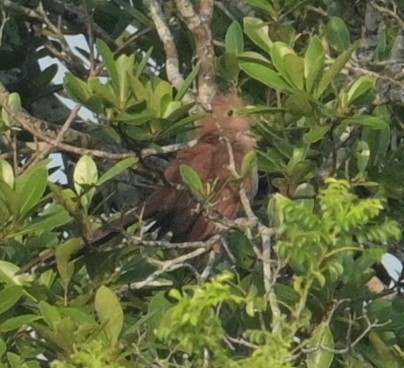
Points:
(176, 210)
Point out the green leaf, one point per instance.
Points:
(9, 296)
(50, 314)
(143, 63)
(379, 141)
(54, 216)
(315, 134)
(3, 348)
(77, 89)
(249, 163)
(124, 64)
(313, 63)
(299, 104)
(109, 312)
(234, 42)
(257, 31)
(63, 254)
(85, 173)
(117, 169)
(335, 69)
(139, 118)
(18, 322)
(14, 102)
(31, 187)
(85, 176)
(294, 70)
(362, 153)
(187, 83)
(8, 273)
(6, 173)
(337, 34)
(108, 58)
(366, 120)
(265, 75)
(361, 87)
(191, 178)
(46, 76)
(262, 4)
(281, 54)
(157, 308)
(321, 336)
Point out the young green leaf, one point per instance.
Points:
(360, 87)
(362, 153)
(110, 64)
(109, 312)
(85, 174)
(6, 173)
(77, 89)
(249, 163)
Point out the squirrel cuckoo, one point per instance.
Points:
(172, 206)
(176, 210)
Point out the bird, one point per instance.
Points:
(223, 134)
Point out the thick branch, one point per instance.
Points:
(199, 25)
(172, 64)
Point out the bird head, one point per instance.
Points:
(225, 115)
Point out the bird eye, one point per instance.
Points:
(230, 113)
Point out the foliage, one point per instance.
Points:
(290, 287)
